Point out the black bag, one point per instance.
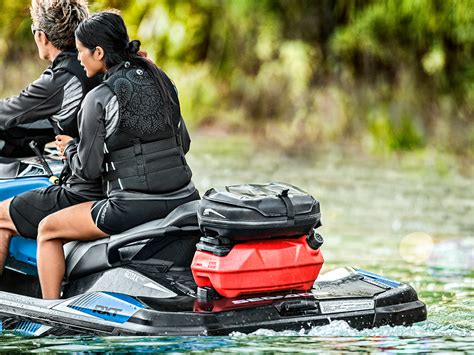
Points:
(244, 212)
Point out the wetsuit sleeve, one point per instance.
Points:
(41, 99)
(85, 159)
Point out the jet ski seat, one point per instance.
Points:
(172, 239)
(13, 168)
(9, 168)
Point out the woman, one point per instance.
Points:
(131, 135)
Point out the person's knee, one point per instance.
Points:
(46, 229)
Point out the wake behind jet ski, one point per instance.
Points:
(243, 258)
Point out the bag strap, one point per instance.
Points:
(290, 211)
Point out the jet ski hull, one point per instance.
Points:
(362, 299)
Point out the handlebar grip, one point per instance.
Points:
(54, 180)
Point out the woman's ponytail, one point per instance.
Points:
(134, 46)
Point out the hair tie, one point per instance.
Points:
(134, 46)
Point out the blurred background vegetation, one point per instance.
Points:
(382, 75)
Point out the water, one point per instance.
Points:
(410, 218)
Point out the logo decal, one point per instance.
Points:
(105, 310)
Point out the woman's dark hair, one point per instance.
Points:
(107, 30)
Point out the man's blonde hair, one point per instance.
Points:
(58, 19)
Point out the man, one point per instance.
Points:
(54, 99)
(49, 105)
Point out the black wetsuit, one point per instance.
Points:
(51, 102)
(127, 139)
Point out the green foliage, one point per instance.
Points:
(15, 35)
(396, 74)
(386, 134)
(433, 40)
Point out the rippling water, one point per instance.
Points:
(406, 218)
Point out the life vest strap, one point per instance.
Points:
(140, 168)
(145, 148)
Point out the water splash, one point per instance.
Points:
(343, 329)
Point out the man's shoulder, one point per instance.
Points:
(101, 93)
(67, 64)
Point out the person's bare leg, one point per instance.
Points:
(5, 236)
(72, 223)
(7, 230)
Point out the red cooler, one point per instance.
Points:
(259, 266)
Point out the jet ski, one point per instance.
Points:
(243, 258)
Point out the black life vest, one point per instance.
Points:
(68, 62)
(144, 153)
